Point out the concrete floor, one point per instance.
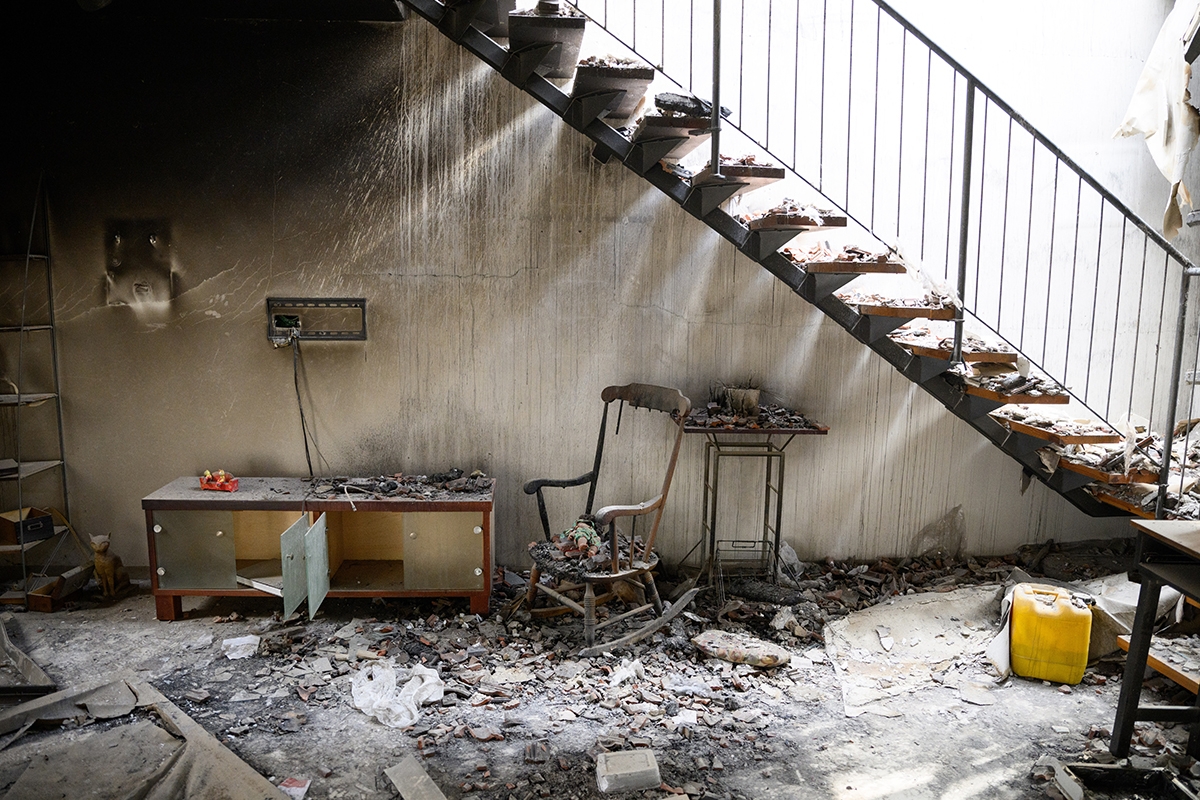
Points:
(761, 735)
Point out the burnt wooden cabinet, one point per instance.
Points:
(272, 537)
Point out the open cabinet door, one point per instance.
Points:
(316, 549)
(295, 569)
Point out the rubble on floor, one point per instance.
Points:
(521, 716)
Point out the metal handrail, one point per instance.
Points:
(1142, 225)
(1066, 262)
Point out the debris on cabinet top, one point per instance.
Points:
(442, 485)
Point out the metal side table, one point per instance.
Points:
(729, 441)
(1168, 554)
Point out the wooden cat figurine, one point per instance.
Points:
(111, 575)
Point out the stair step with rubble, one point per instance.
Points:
(1055, 435)
(1122, 497)
(1055, 398)
(878, 319)
(774, 228)
(1111, 478)
(690, 131)
(924, 341)
(823, 278)
(796, 221)
(751, 176)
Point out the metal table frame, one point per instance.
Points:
(725, 443)
(1168, 554)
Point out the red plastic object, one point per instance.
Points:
(228, 485)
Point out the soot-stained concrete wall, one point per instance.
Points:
(508, 278)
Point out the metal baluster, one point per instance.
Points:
(1087, 378)
(1137, 325)
(716, 92)
(1112, 361)
(1164, 470)
(964, 220)
(1028, 239)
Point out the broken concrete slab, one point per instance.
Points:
(412, 782)
(930, 633)
(627, 771)
(170, 757)
(111, 701)
(741, 648)
(21, 677)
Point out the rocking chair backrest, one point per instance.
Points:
(656, 398)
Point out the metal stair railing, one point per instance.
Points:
(853, 99)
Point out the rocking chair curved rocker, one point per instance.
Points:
(634, 567)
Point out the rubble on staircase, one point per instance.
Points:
(790, 213)
(850, 255)
(925, 338)
(931, 305)
(1055, 428)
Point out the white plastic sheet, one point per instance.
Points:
(375, 692)
(1161, 112)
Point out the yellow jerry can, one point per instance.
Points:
(1051, 628)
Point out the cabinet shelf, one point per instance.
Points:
(6, 549)
(26, 328)
(25, 399)
(28, 468)
(10, 257)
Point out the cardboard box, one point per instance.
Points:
(31, 524)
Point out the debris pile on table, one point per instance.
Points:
(440, 486)
(770, 415)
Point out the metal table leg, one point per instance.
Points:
(1135, 667)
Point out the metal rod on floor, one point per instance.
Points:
(964, 220)
(716, 92)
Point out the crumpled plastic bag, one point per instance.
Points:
(628, 671)
(375, 692)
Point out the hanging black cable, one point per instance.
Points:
(299, 402)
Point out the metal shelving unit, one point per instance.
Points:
(31, 340)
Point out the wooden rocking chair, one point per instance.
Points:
(635, 566)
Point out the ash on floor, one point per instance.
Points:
(522, 717)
